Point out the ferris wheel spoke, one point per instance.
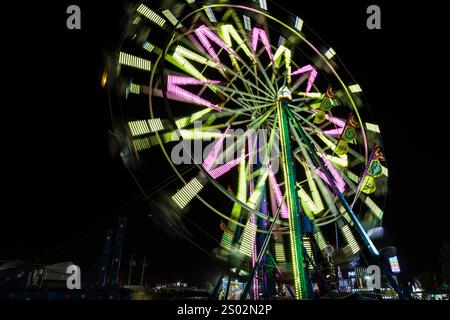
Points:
(323, 189)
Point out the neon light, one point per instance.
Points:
(187, 193)
(395, 266)
(141, 127)
(211, 158)
(141, 144)
(298, 24)
(248, 239)
(352, 176)
(263, 4)
(330, 53)
(173, 83)
(228, 32)
(173, 20)
(315, 204)
(341, 161)
(374, 208)
(242, 188)
(151, 15)
(227, 239)
(375, 233)
(255, 197)
(355, 88)
(295, 223)
(193, 134)
(180, 57)
(137, 20)
(308, 246)
(340, 183)
(135, 88)
(334, 132)
(320, 240)
(148, 46)
(279, 252)
(219, 171)
(312, 75)
(284, 213)
(204, 34)
(385, 171)
(350, 238)
(210, 15)
(261, 34)
(372, 127)
(184, 122)
(135, 62)
(247, 24)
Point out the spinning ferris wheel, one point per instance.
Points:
(290, 149)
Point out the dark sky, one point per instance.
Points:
(61, 188)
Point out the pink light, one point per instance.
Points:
(212, 156)
(284, 213)
(334, 132)
(336, 121)
(259, 33)
(204, 34)
(312, 75)
(173, 83)
(219, 171)
(340, 183)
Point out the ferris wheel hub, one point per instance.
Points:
(284, 94)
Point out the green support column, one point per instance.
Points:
(295, 226)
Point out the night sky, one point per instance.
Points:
(61, 188)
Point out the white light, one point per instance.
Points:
(298, 24)
(355, 88)
(135, 62)
(372, 127)
(187, 193)
(173, 20)
(330, 53)
(151, 15)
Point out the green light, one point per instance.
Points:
(248, 239)
(135, 62)
(374, 208)
(141, 144)
(184, 122)
(187, 193)
(281, 52)
(151, 15)
(279, 252)
(320, 240)
(350, 239)
(173, 20)
(227, 32)
(300, 277)
(135, 88)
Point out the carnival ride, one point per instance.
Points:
(295, 163)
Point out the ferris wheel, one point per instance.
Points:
(283, 146)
